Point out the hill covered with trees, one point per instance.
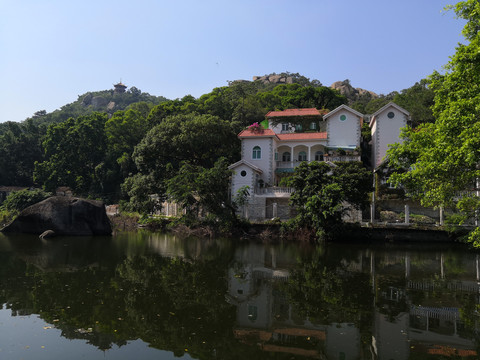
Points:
(126, 146)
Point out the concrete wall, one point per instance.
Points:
(255, 209)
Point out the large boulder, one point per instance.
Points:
(63, 215)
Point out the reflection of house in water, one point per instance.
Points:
(266, 319)
(421, 312)
(419, 300)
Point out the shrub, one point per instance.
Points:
(19, 200)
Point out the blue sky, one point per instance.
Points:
(52, 51)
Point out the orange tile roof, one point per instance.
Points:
(296, 112)
(249, 133)
(303, 136)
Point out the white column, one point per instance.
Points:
(292, 159)
(441, 217)
(407, 214)
(309, 155)
(442, 263)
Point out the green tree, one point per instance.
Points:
(19, 200)
(321, 191)
(20, 148)
(445, 157)
(198, 139)
(73, 150)
(288, 96)
(418, 100)
(198, 189)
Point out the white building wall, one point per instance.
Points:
(373, 131)
(265, 163)
(387, 132)
(239, 181)
(343, 132)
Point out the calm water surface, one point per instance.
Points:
(154, 296)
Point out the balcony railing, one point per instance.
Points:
(295, 163)
(273, 190)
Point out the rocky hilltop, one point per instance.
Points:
(344, 87)
(274, 79)
(351, 93)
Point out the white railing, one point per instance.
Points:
(295, 163)
(344, 158)
(274, 190)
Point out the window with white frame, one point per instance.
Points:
(286, 156)
(302, 156)
(256, 153)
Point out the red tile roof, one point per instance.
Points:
(295, 112)
(249, 133)
(303, 136)
(286, 137)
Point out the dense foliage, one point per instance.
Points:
(321, 192)
(443, 157)
(19, 200)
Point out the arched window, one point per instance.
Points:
(257, 153)
(319, 156)
(302, 156)
(286, 156)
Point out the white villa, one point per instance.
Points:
(271, 153)
(385, 126)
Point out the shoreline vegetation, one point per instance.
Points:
(274, 231)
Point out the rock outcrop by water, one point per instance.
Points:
(64, 216)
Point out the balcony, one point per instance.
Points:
(295, 163)
(275, 191)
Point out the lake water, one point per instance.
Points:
(155, 296)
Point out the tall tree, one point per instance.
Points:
(289, 96)
(199, 139)
(73, 151)
(444, 158)
(20, 148)
(321, 191)
(198, 189)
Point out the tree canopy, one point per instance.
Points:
(444, 157)
(322, 191)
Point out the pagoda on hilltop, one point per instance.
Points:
(119, 88)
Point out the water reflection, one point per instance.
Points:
(220, 299)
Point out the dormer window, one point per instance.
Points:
(285, 127)
(256, 153)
